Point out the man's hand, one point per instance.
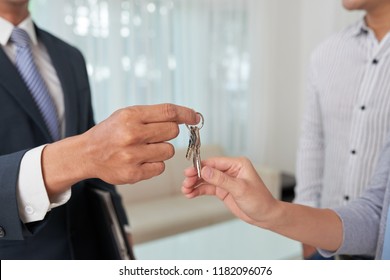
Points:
(308, 251)
(236, 183)
(131, 145)
(127, 147)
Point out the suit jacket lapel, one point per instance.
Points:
(11, 80)
(63, 67)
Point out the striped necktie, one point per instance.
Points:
(24, 62)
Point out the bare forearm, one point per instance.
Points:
(236, 182)
(321, 228)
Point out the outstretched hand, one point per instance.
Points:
(129, 146)
(235, 182)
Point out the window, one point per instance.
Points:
(189, 52)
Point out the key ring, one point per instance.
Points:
(199, 125)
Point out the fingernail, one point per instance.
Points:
(197, 118)
(207, 172)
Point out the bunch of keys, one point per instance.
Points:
(194, 144)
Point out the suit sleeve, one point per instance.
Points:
(12, 227)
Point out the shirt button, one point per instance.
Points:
(363, 108)
(353, 152)
(2, 232)
(29, 210)
(375, 61)
(346, 197)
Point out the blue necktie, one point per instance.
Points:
(386, 242)
(24, 62)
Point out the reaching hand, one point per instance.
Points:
(236, 183)
(129, 146)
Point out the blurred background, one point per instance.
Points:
(241, 63)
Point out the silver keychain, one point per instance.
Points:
(193, 149)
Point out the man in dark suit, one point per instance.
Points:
(45, 181)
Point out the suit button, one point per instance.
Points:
(2, 232)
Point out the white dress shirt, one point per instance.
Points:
(33, 201)
(347, 117)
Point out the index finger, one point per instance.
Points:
(168, 113)
(221, 163)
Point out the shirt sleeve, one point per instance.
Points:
(361, 218)
(32, 198)
(310, 156)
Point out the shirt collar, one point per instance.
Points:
(360, 28)
(6, 29)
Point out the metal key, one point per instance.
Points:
(194, 145)
(191, 146)
(196, 157)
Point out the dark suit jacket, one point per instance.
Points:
(67, 231)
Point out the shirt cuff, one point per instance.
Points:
(33, 201)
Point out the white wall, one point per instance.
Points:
(288, 32)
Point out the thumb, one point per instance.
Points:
(218, 178)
